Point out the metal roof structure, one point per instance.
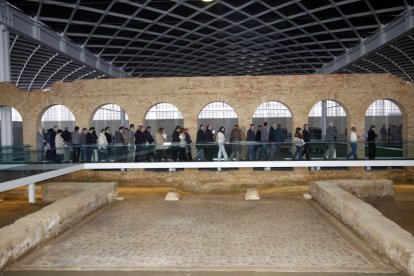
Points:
(57, 40)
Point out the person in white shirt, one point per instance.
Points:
(353, 139)
(220, 141)
(102, 146)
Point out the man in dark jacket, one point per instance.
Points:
(210, 143)
(272, 140)
(149, 149)
(90, 141)
(306, 138)
(140, 143)
(279, 140)
(110, 140)
(200, 141)
(175, 143)
(251, 138)
(119, 144)
(75, 141)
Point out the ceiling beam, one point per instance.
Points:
(21, 24)
(386, 35)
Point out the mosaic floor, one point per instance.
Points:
(214, 233)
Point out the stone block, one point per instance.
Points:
(252, 194)
(382, 234)
(172, 196)
(26, 233)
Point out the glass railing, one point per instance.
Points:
(176, 152)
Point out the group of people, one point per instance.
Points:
(125, 145)
(128, 144)
(263, 143)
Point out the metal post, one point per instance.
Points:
(323, 122)
(4, 54)
(31, 188)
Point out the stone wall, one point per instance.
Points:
(202, 181)
(137, 95)
(384, 235)
(28, 232)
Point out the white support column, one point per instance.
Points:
(6, 126)
(31, 188)
(4, 54)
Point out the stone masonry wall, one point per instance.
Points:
(245, 93)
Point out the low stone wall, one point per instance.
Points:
(382, 234)
(28, 232)
(203, 181)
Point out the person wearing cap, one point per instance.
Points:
(330, 140)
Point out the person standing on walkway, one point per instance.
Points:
(175, 143)
(372, 148)
(251, 138)
(75, 141)
(279, 140)
(60, 146)
(40, 144)
(209, 141)
(102, 146)
(353, 139)
(119, 144)
(264, 140)
(235, 139)
(159, 145)
(130, 141)
(330, 140)
(306, 138)
(221, 139)
(298, 142)
(189, 141)
(200, 144)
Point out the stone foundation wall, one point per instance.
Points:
(199, 181)
(382, 234)
(30, 231)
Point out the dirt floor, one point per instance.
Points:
(401, 210)
(14, 204)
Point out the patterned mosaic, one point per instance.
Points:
(209, 234)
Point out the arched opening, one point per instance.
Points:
(218, 114)
(272, 117)
(10, 118)
(164, 115)
(58, 115)
(388, 121)
(274, 113)
(321, 115)
(110, 115)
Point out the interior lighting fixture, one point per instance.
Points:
(207, 0)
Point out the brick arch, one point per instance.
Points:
(290, 110)
(45, 108)
(311, 104)
(93, 112)
(162, 102)
(217, 101)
